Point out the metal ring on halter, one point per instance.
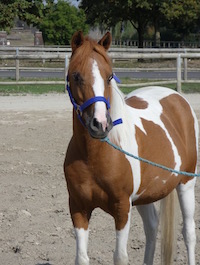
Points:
(79, 111)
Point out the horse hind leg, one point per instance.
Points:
(150, 223)
(187, 203)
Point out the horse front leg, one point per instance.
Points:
(80, 219)
(81, 246)
(122, 223)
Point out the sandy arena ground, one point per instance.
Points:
(35, 225)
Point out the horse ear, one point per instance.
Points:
(105, 41)
(77, 40)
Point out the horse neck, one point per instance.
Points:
(83, 141)
(117, 111)
(117, 102)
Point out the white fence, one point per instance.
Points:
(67, 49)
(178, 56)
(28, 53)
(151, 44)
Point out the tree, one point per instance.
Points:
(182, 15)
(156, 19)
(7, 14)
(57, 20)
(32, 12)
(138, 12)
(27, 10)
(60, 20)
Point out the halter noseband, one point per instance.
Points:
(80, 108)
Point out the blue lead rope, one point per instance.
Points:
(188, 174)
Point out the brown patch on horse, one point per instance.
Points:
(136, 102)
(180, 124)
(154, 146)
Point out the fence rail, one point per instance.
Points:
(115, 53)
(112, 49)
(162, 44)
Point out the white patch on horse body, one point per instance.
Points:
(124, 134)
(98, 88)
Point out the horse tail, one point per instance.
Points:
(169, 222)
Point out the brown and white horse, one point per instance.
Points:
(156, 123)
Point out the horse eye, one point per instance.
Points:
(109, 78)
(77, 77)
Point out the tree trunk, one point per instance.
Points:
(140, 31)
(142, 23)
(156, 34)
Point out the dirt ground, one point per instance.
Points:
(35, 225)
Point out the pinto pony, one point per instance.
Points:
(155, 123)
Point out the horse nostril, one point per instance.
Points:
(95, 125)
(98, 129)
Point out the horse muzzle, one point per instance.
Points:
(98, 130)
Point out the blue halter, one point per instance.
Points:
(80, 108)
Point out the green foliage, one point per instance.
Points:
(60, 21)
(7, 13)
(33, 12)
(57, 20)
(27, 10)
(138, 12)
(182, 15)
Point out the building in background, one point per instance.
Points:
(22, 35)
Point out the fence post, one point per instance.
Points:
(185, 67)
(178, 71)
(17, 65)
(66, 70)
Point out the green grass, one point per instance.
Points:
(186, 87)
(30, 89)
(59, 88)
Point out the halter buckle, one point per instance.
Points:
(79, 111)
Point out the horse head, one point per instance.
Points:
(89, 86)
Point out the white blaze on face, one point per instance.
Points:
(98, 88)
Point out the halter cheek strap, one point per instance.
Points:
(80, 108)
